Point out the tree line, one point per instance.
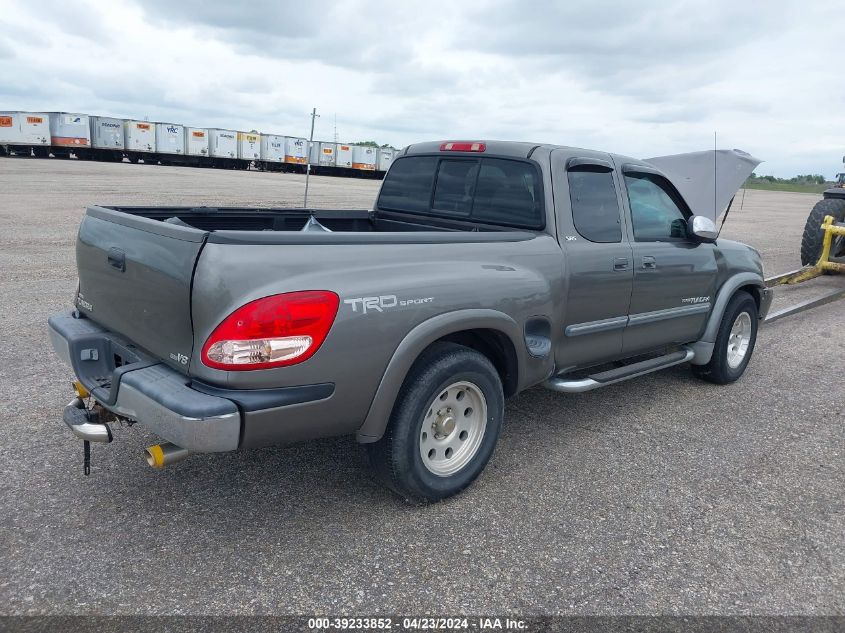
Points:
(806, 179)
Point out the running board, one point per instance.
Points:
(602, 379)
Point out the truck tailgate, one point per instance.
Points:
(135, 279)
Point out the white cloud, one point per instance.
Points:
(642, 79)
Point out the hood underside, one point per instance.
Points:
(707, 180)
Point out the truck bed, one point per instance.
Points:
(296, 219)
(138, 265)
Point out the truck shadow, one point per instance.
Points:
(330, 480)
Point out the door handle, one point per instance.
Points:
(620, 263)
(649, 263)
(117, 259)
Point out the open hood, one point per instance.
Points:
(707, 180)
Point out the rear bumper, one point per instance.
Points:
(143, 390)
(193, 415)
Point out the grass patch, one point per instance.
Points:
(797, 187)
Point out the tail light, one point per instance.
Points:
(274, 331)
(462, 146)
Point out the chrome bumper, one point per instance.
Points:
(145, 391)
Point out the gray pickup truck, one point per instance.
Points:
(483, 269)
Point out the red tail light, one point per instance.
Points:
(275, 331)
(462, 146)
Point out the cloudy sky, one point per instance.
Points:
(644, 78)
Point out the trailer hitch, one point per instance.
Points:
(87, 424)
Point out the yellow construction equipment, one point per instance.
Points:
(831, 229)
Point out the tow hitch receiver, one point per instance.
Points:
(86, 425)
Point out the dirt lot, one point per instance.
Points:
(661, 495)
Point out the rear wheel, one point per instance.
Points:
(811, 241)
(444, 425)
(734, 342)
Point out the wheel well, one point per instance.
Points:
(497, 347)
(754, 291)
(837, 193)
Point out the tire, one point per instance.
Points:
(811, 241)
(727, 364)
(417, 426)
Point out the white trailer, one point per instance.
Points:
(223, 147)
(68, 132)
(24, 133)
(344, 156)
(385, 156)
(296, 150)
(139, 140)
(249, 146)
(107, 141)
(323, 154)
(106, 133)
(364, 157)
(170, 139)
(272, 152)
(196, 141)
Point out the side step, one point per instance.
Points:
(602, 379)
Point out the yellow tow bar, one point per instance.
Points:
(824, 264)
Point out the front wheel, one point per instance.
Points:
(444, 425)
(734, 342)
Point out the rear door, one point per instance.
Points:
(135, 279)
(674, 275)
(597, 258)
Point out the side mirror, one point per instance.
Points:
(703, 229)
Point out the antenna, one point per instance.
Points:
(335, 127)
(715, 210)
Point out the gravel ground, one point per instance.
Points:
(661, 495)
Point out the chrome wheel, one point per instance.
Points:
(739, 339)
(453, 428)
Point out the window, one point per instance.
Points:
(484, 190)
(508, 192)
(657, 212)
(455, 186)
(407, 186)
(595, 207)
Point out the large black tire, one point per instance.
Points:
(397, 459)
(723, 368)
(811, 241)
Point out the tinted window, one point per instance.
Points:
(656, 212)
(595, 208)
(508, 192)
(455, 186)
(486, 190)
(407, 186)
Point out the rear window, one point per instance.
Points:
(408, 184)
(455, 186)
(485, 190)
